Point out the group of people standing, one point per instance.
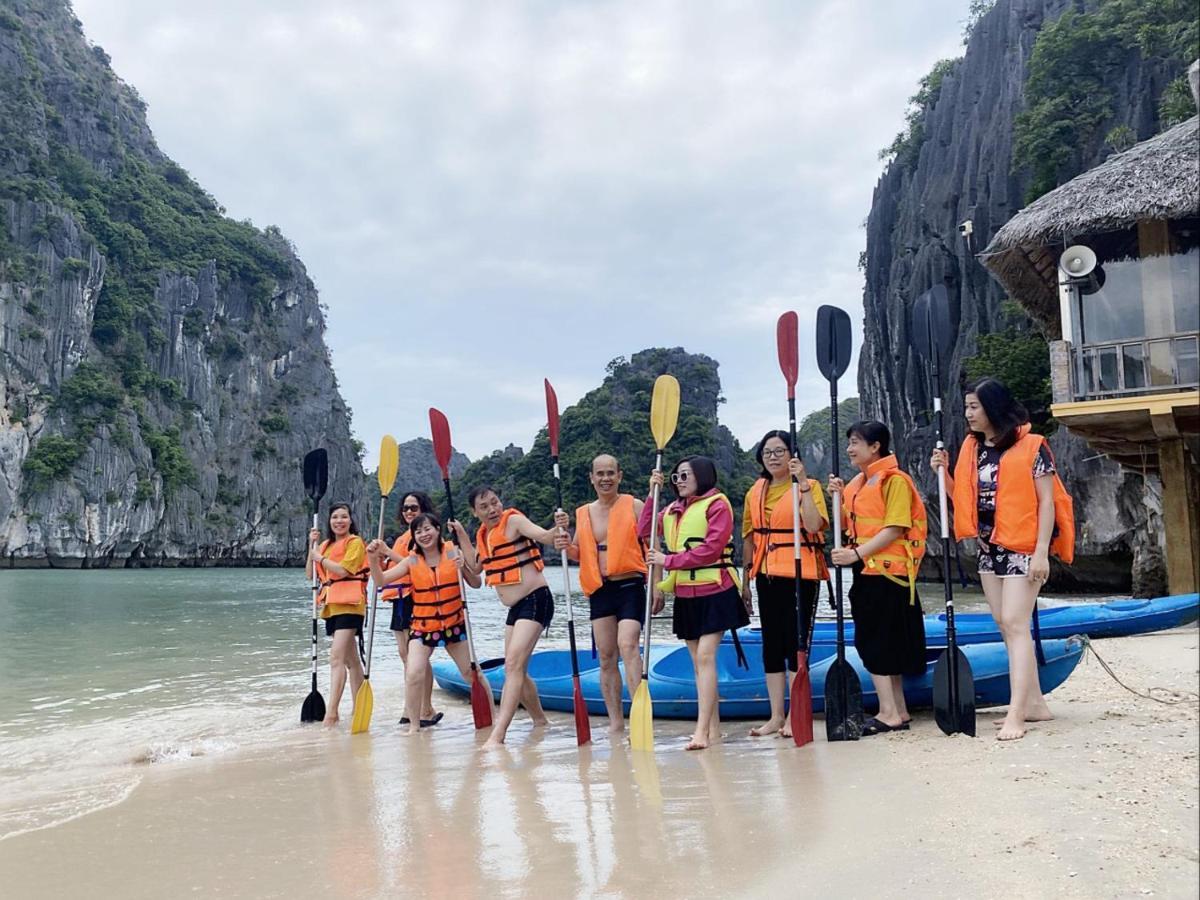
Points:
(1005, 493)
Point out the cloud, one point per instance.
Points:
(490, 194)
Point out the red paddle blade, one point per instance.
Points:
(801, 704)
(552, 416)
(583, 725)
(787, 341)
(481, 702)
(441, 440)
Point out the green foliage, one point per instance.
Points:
(1120, 138)
(145, 490)
(227, 492)
(90, 386)
(73, 267)
(1176, 104)
(194, 322)
(906, 146)
(976, 10)
(30, 333)
(1077, 65)
(276, 422)
(814, 432)
(19, 410)
(170, 459)
(52, 458)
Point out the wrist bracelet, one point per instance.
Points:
(859, 555)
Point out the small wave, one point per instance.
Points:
(167, 751)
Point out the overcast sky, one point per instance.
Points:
(487, 194)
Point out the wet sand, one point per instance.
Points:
(1102, 802)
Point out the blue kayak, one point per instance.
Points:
(1114, 619)
(743, 692)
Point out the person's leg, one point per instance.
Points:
(898, 697)
(605, 630)
(341, 648)
(461, 654)
(519, 641)
(414, 679)
(354, 666)
(629, 639)
(708, 728)
(1019, 595)
(774, 664)
(889, 711)
(427, 710)
(402, 648)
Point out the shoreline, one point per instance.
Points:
(1100, 802)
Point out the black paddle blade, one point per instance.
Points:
(920, 328)
(313, 709)
(316, 474)
(939, 317)
(954, 700)
(843, 703)
(833, 342)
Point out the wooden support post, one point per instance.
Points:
(1178, 473)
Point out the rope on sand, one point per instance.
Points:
(1175, 698)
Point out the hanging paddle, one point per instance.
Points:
(664, 416)
(953, 682)
(583, 727)
(481, 695)
(843, 691)
(316, 479)
(787, 336)
(364, 698)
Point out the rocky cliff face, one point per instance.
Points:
(164, 369)
(963, 170)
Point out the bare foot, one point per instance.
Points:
(617, 727)
(786, 731)
(541, 723)
(697, 743)
(1042, 716)
(771, 726)
(413, 728)
(330, 720)
(493, 743)
(1012, 730)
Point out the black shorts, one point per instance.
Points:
(625, 599)
(694, 617)
(537, 605)
(402, 613)
(777, 613)
(344, 621)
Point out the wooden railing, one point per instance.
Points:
(1138, 366)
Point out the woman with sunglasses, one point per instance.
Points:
(769, 557)
(697, 528)
(339, 563)
(399, 594)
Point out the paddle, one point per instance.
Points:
(843, 692)
(481, 695)
(664, 416)
(316, 479)
(787, 336)
(364, 698)
(953, 682)
(583, 727)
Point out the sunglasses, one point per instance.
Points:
(777, 453)
(680, 477)
(411, 507)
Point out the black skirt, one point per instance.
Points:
(693, 617)
(889, 626)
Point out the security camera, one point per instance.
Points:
(967, 228)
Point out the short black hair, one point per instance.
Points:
(704, 470)
(1004, 411)
(758, 451)
(873, 433)
(416, 523)
(476, 492)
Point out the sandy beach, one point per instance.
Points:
(1102, 802)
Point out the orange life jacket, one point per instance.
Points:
(342, 590)
(437, 600)
(864, 505)
(1016, 524)
(397, 589)
(626, 553)
(503, 559)
(773, 553)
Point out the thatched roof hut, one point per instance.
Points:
(1156, 179)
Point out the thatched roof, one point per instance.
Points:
(1156, 179)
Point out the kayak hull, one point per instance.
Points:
(743, 692)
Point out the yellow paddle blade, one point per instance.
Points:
(363, 701)
(664, 409)
(389, 462)
(641, 717)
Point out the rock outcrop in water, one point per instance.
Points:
(962, 168)
(164, 368)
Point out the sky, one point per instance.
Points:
(489, 194)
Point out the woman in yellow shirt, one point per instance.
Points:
(767, 549)
(340, 563)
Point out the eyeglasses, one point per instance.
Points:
(411, 507)
(680, 477)
(777, 453)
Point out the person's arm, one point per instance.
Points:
(1039, 565)
(818, 501)
(375, 552)
(520, 526)
(352, 561)
(941, 459)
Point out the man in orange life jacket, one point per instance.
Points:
(612, 572)
(511, 562)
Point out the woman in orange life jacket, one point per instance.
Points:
(432, 571)
(340, 565)
(1006, 493)
(696, 529)
(770, 560)
(885, 523)
(415, 503)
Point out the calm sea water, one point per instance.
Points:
(105, 672)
